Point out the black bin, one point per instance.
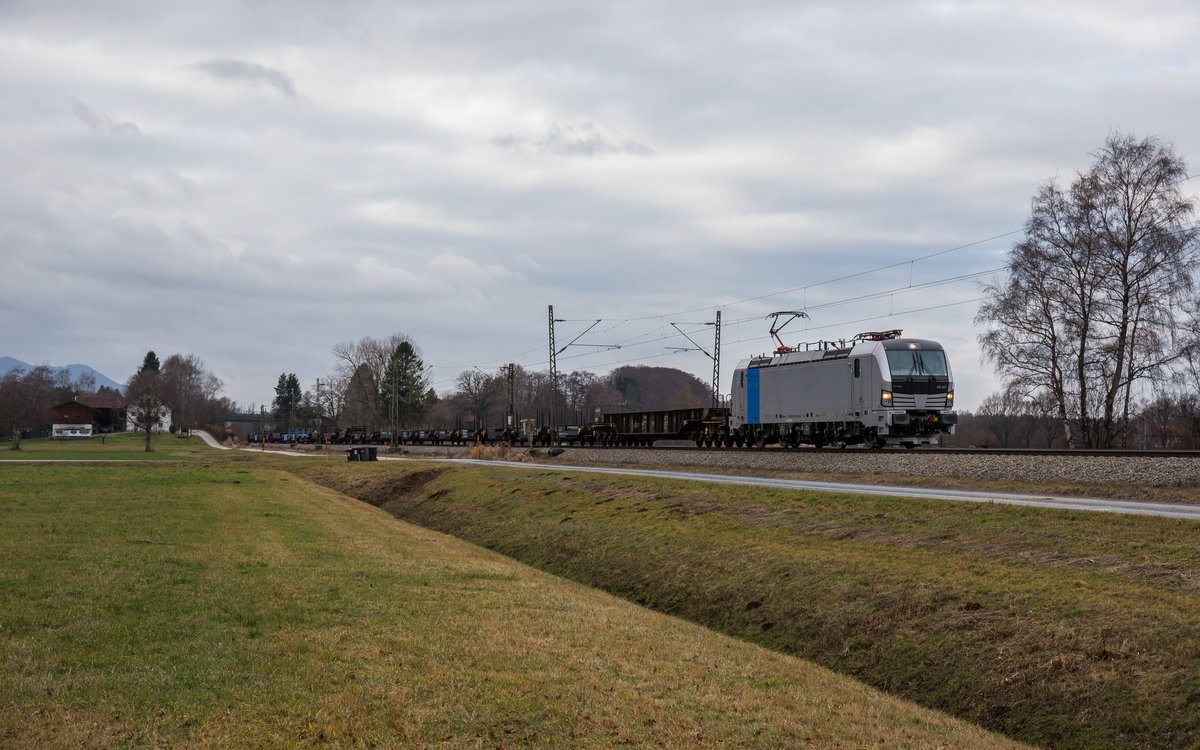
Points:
(353, 454)
(372, 453)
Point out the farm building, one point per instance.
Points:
(83, 416)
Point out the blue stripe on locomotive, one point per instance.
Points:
(752, 396)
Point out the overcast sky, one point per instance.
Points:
(254, 182)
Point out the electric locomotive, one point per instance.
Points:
(877, 389)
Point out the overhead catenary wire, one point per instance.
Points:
(653, 336)
(660, 335)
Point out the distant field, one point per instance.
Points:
(122, 447)
(1059, 628)
(224, 602)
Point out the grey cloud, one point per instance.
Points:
(571, 140)
(237, 71)
(806, 143)
(100, 122)
(180, 185)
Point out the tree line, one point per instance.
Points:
(27, 396)
(180, 382)
(383, 384)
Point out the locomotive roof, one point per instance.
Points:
(825, 350)
(909, 344)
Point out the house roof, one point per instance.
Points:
(102, 402)
(72, 402)
(94, 402)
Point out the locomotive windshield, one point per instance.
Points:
(907, 363)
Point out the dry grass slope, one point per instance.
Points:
(230, 604)
(1058, 628)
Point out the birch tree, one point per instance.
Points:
(1088, 313)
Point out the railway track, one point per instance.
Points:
(1109, 473)
(828, 450)
(947, 451)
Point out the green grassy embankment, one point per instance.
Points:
(1057, 628)
(227, 603)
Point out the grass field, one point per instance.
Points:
(1058, 628)
(224, 602)
(121, 447)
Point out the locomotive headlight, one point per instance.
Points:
(949, 400)
(885, 398)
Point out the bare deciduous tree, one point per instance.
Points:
(329, 397)
(146, 396)
(189, 388)
(1088, 312)
(363, 364)
(477, 391)
(26, 399)
(1004, 414)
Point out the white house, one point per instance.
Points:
(133, 418)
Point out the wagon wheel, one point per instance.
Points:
(872, 440)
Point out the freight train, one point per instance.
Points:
(877, 389)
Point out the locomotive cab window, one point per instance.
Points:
(907, 363)
(858, 368)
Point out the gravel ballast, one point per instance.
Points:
(1129, 471)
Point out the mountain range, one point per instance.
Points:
(8, 364)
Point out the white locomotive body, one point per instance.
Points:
(878, 389)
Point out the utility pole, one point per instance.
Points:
(394, 407)
(553, 375)
(510, 417)
(554, 352)
(717, 361)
